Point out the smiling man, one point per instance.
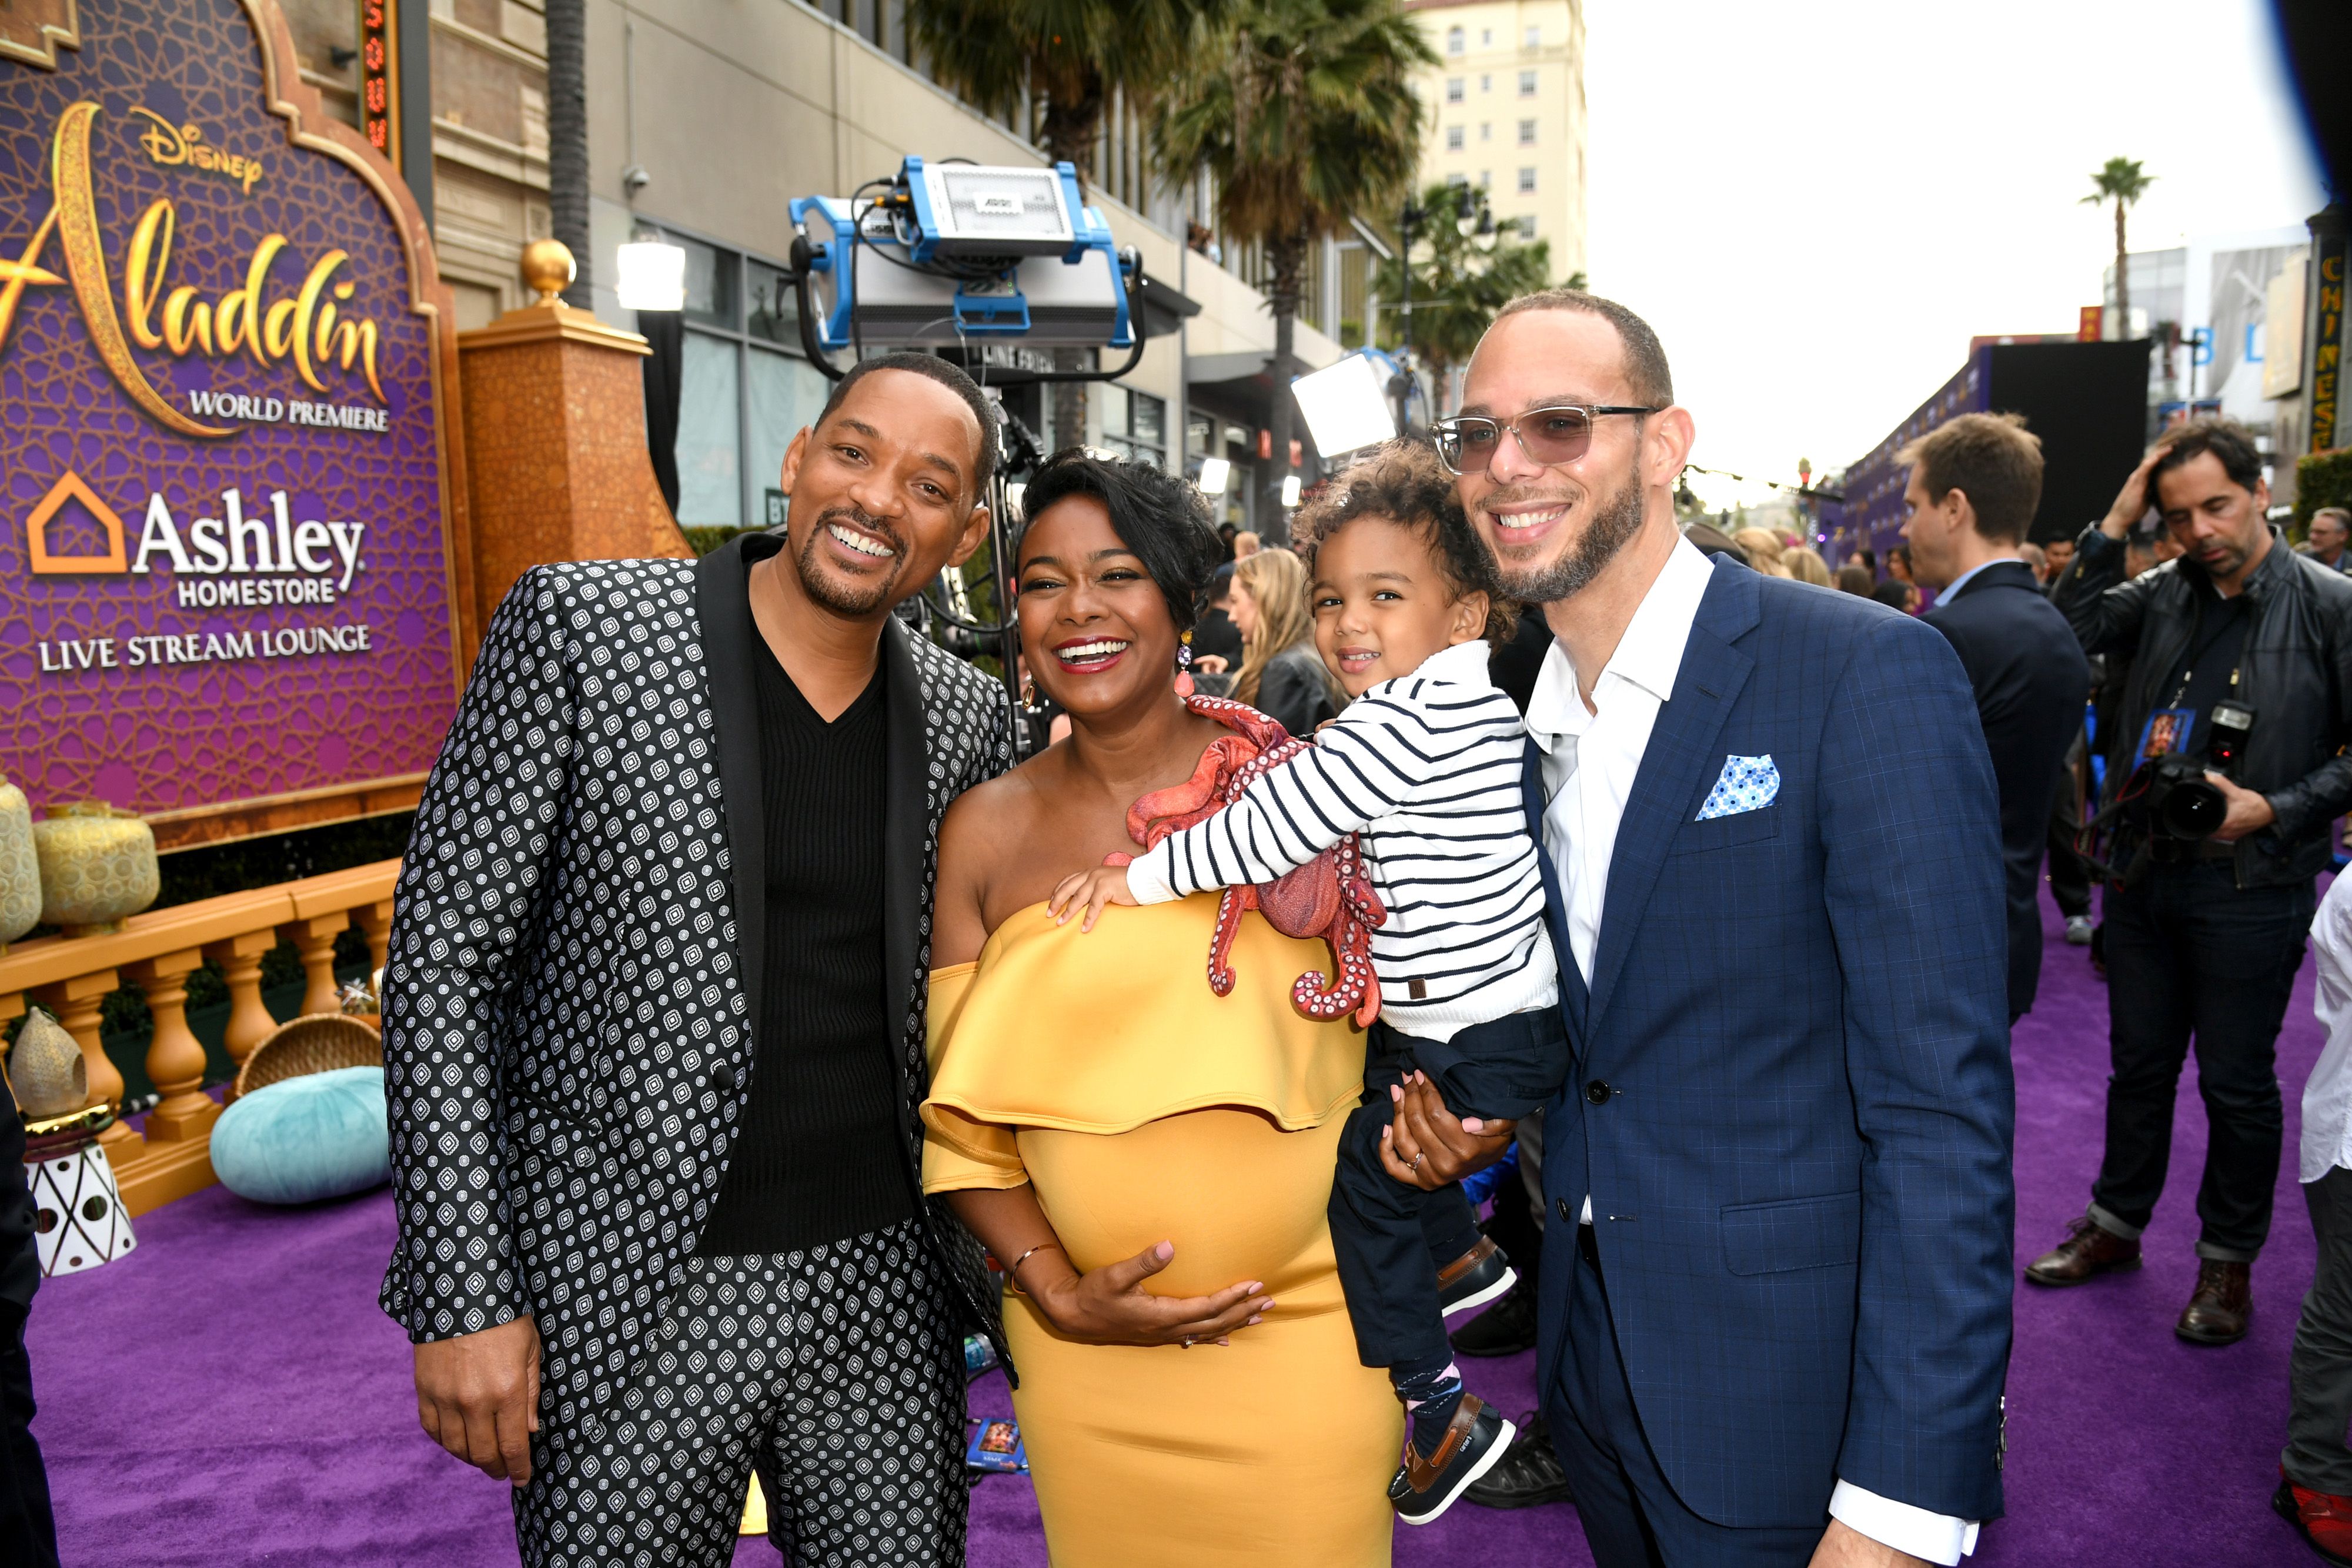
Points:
(654, 1024)
(1774, 1318)
(2203, 938)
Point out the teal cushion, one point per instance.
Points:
(302, 1139)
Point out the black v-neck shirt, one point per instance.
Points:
(819, 1155)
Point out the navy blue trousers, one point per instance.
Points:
(1391, 1239)
(1631, 1515)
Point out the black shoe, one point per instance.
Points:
(1475, 1278)
(1475, 1441)
(1529, 1473)
(1506, 1328)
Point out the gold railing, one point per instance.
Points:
(71, 976)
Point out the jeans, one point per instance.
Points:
(2319, 1378)
(2190, 954)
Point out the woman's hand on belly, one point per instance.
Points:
(1109, 1305)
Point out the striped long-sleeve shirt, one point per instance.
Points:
(1426, 770)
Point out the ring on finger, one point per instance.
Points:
(1418, 1157)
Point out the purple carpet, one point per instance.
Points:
(229, 1394)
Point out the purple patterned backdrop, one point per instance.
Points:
(274, 696)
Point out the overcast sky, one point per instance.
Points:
(1818, 204)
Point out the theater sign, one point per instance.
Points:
(226, 554)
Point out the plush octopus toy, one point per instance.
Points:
(1330, 896)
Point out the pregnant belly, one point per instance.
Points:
(1239, 1197)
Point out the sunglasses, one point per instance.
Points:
(1560, 433)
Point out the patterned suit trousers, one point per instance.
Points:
(835, 1372)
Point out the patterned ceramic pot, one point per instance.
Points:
(98, 867)
(20, 868)
(78, 1222)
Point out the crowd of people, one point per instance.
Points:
(760, 1022)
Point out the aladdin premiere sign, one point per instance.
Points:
(226, 583)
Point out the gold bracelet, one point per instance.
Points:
(1012, 1274)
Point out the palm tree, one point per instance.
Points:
(567, 137)
(1457, 284)
(2122, 182)
(1072, 54)
(1304, 116)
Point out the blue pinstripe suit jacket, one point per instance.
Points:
(1800, 1167)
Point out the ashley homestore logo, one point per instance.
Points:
(255, 555)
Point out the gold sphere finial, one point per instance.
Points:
(548, 268)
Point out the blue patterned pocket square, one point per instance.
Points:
(1747, 784)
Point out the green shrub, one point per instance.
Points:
(706, 539)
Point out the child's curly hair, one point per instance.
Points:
(1403, 481)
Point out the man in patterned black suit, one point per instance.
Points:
(654, 1024)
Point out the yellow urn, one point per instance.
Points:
(20, 868)
(98, 867)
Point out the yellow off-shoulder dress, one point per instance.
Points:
(1100, 1067)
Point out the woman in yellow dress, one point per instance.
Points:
(1150, 1162)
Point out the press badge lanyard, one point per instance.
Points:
(2189, 665)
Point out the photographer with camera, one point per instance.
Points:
(2223, 772)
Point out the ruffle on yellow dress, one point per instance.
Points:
(1143, 1107)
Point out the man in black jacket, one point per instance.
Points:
(1975, 483)
(2203, 938)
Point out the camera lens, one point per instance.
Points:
(2192, 809)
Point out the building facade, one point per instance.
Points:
(706, 119)
(1506, 112)
(2205, 306)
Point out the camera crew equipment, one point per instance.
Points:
(956, 255)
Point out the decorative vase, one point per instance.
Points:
(78, 1222)
(20, 868)
(98, 867)
(46, 1068)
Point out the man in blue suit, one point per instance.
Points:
(1775, 881)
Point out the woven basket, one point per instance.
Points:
(315, 1042)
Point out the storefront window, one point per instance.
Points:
(710, 477)
(782, 395)
(1134, 425)
(741, 401)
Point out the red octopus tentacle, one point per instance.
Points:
(1230, 909)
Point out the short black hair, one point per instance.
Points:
(2226, 440)
(1402, 482)
(932, 368)
(1159, 516)
(1893, 594)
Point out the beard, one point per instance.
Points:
(1614, 520)
(856, 597)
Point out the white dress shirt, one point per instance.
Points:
(1591, 759)
(2327, 1094)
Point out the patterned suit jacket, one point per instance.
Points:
(572, 984)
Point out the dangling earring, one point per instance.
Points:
(1185, 666)
(1029, 703)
